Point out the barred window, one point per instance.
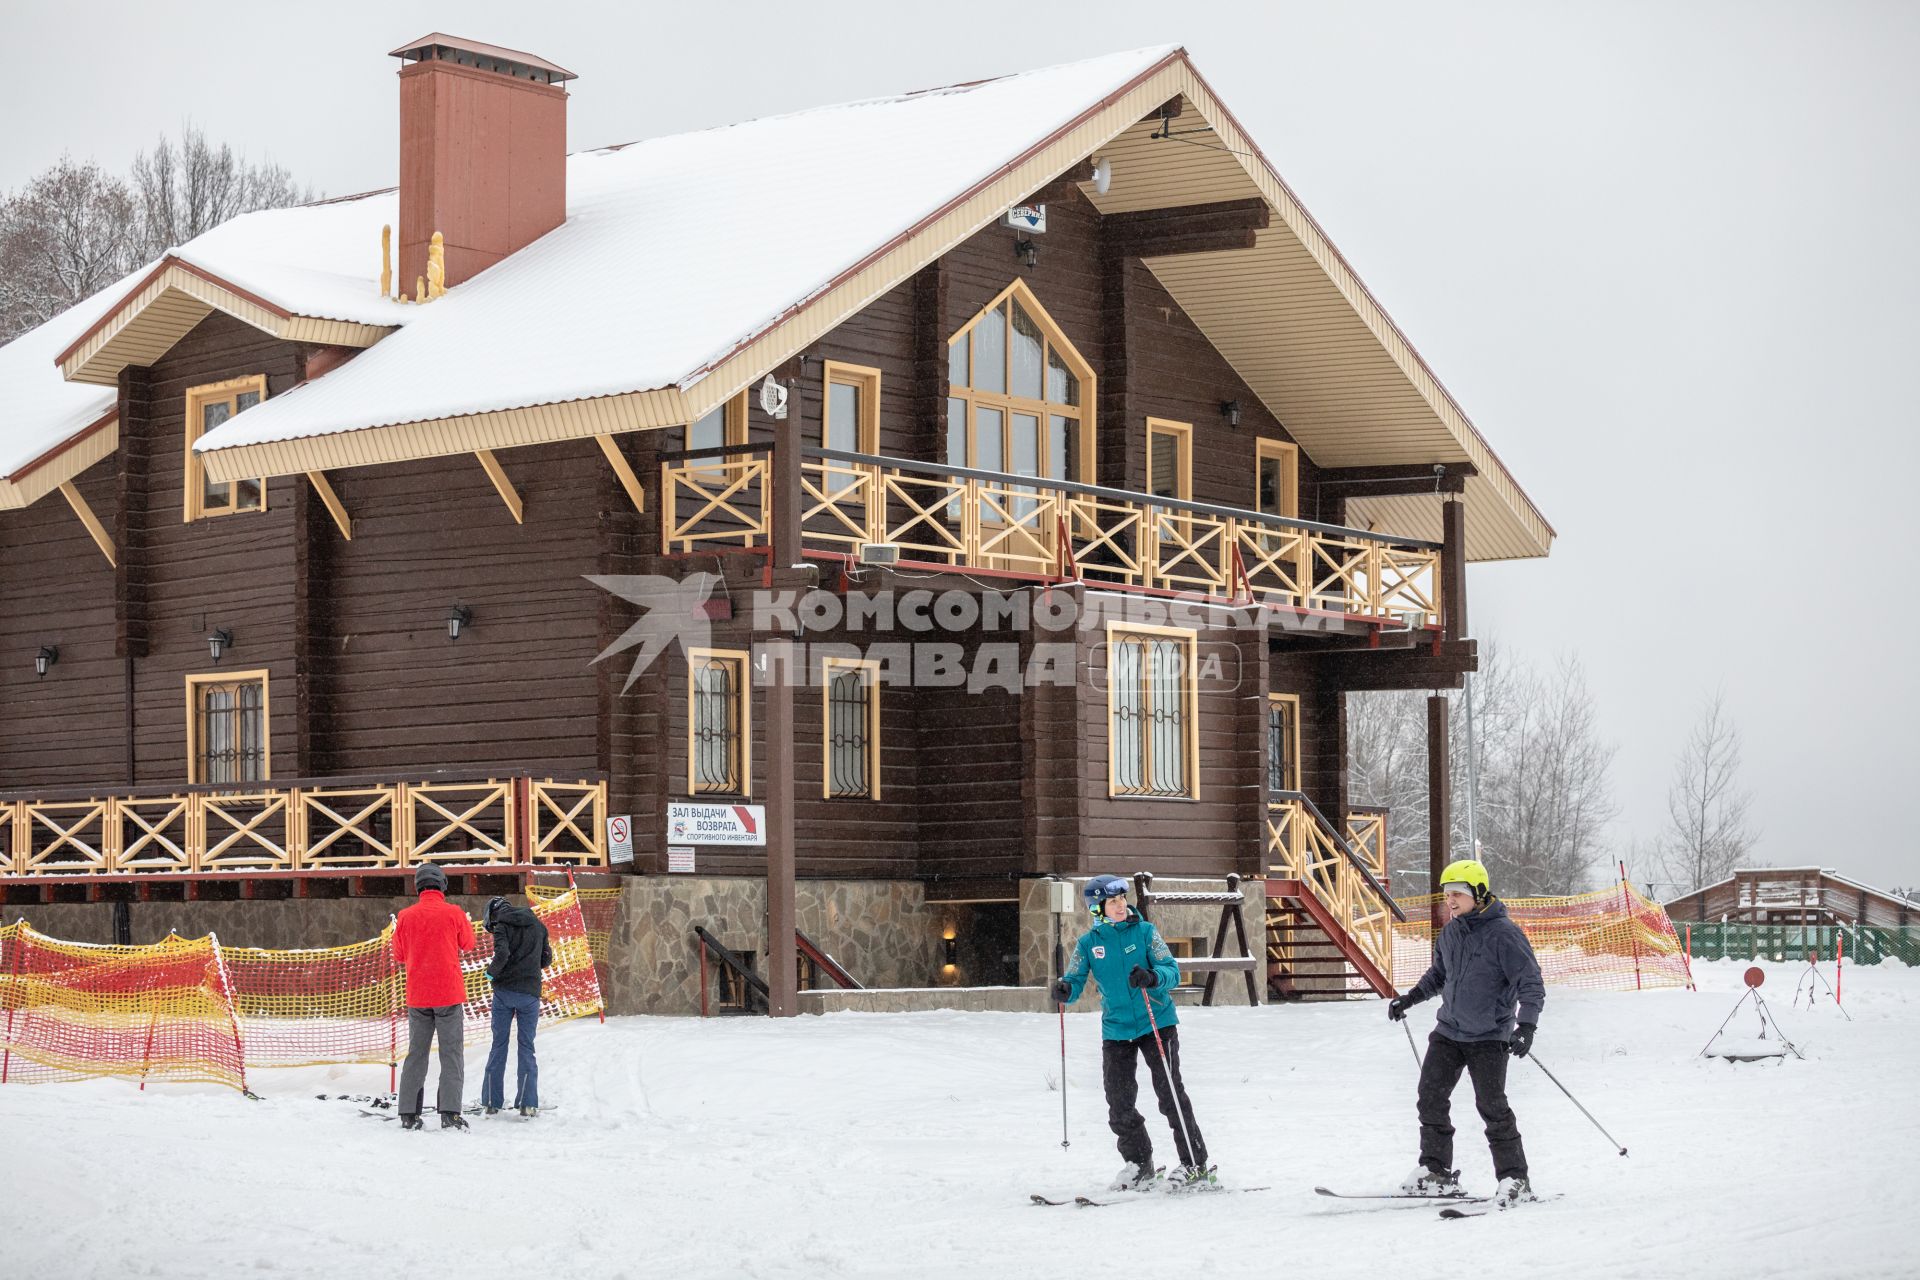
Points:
(717, 729)
(1283, 742)
(227, 728)
(1150, 713)
(851, 694)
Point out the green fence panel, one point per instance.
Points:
(1725, 940)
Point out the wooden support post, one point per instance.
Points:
(335, 507)
(624, 470)
(1439, 801)
(783, 669)
(1453, 568)
(101, 538)
(502, 485)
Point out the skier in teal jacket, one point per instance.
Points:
(1126, 957)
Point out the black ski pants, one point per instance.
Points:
(1123, 1088)
(1486, 1062)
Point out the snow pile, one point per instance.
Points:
(907, 1144)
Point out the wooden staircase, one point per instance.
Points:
(1329, 919)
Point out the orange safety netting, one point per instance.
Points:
(74, 1010)
(278, 1008)
(1608, 940)
(597, 908)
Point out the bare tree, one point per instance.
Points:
(63, 237)
(185, 188)
(1538, 765)
(1707, 833)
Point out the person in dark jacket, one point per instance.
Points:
(1134, 970)
(520, 952)
(428, 938)
(1483, 970)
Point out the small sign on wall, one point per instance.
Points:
(620, 838)
(679, 858)
(1025, 217)
(717, 823)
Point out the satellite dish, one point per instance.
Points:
(1102, 175)
(773, 399)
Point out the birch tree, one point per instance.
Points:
(1707, 833)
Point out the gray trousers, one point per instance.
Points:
(422, 1026)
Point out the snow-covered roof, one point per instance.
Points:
(690, 266)
(40, 410)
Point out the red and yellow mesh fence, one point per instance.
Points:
(1608, 940)
(75, 1010)
(597, 907)
(158, 1012)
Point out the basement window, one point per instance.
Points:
(1187, 949)
(206, 408)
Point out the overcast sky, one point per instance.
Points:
(1663, 254)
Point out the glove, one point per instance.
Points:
(1398, 1006)
(1142, 977)
(1522, 1040)
(1062, 992)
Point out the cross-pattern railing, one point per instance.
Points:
(317, 825)
(1050, 529)
(1303, 846)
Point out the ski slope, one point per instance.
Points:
(908, 1144)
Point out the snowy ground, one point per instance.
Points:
(906, 1145)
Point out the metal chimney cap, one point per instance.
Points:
(428, 48)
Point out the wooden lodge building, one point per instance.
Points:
(329, 542)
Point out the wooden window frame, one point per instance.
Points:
(1081, 416)
(1293, 700)
(1184, 432)
(1188, 949)
(742, 662)
(1190, 748)
(867, 379)
(198, 398)
(197, 682)
(829, 666)
(1288, 455)
(733, 423)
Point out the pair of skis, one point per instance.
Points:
(1088, 1202)
(1462, 1205)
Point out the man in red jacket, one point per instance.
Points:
(427, 940)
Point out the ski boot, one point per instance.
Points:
(493, 1111)
(1135, 1177)
(528, 1113)
(1513, 1191)
(453, 1120)
(411, 1121)
(1194, 1177)
(1439, 1183)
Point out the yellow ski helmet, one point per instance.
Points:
(1469, 873)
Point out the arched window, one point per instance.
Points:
(1020, 398)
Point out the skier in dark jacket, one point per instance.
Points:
(1483, 967)
(520, 952)
(1124, 954)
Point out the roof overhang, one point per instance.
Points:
(95, 442)
(1289, 314)
(164, 307)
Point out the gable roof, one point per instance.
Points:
(689, 266)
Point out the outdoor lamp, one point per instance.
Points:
(1230, 410)
(1027, 252)
(219, 642)
(457, 617)
(48, 655)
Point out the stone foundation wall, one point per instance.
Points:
(1037, 932)
(286, 924)
(883, 932)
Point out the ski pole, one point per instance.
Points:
(1063, 1076)
(1576, 1102)
(1411, 1045)
(1173, 1093)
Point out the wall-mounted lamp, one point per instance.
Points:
(1102, 175)
(219, 642)
(48, 655)
(1027, 251)
(952, 947)
(458, 618)
(1230, 410)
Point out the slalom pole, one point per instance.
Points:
(1173, 1091)
(1064, 1143)
(1839, 965)
(1576, 1102)
(1411, 1045)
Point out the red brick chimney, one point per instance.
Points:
(483, 153)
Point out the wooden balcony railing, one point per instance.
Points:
(1303, 846)
(311, 825)
(1053, 530)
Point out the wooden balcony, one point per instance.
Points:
(312, 826)
(1054, 531)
